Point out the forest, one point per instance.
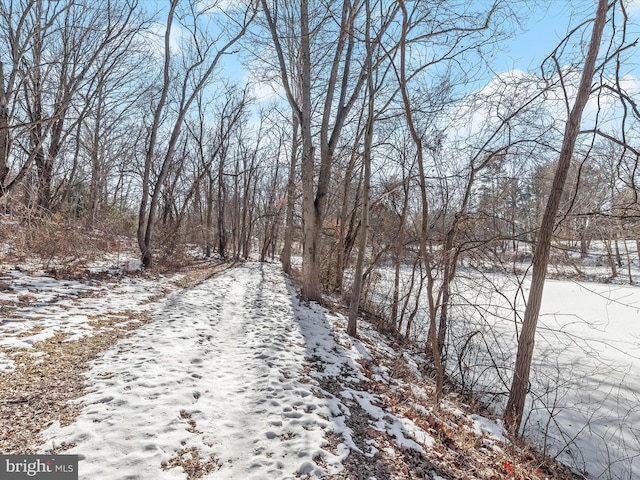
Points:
(375, 149)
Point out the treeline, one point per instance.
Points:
(356, 134)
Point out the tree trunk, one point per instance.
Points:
(610, 260)
(617, 247)
(346, 234)
(145, 213)
(209, 219)
(398, 262)
(366, 158)
(285, 257)
(314, 199)
(5, 138)
(95, 184)
(515, 405)
(187, 97)
(416, 302)
(311, 214)
(417, 139)
(222, 203)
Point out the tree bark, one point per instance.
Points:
(285, 257)
(398, 260)
(515, 405)
(145, 217)
(151, 194)
(347, 233)
(311, 213)
(366, 158)
(5, 138)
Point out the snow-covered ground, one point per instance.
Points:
(584, 404)
(237, 379)
(34, 307)
(214, 375)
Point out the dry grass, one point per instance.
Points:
(199, 272)
(61, 246)
(191, 460)
(41, 388)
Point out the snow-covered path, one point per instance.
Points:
(237, 379)
(213, 383)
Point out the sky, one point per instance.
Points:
(541, 29)
(542, 25)
(545, 26)
(541, 32)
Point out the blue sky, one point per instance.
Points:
(542, 27)
(545, 26)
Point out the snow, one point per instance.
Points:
(485, 426)
(221, 371)
(596, 348)
(236, 376)
(584, 404)
(46, 306)
(68, 306)
(221, 364)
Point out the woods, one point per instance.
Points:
(371, 147)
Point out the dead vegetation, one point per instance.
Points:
(199, 272)
(192, 461)
(49, 377)
(61, 246)
(193, 464)
(459, 452)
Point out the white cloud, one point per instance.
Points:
(632, 7)
(154, 35)
(266, 91)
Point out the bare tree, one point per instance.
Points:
(285, 256)
(462, 28)
(366, 160)
(198, 67)
(417, 138)
(336, 94)
(515, 405)
(54, 51)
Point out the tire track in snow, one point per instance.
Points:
(218, 371)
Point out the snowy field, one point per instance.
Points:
(589, 348)
(584, 406)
